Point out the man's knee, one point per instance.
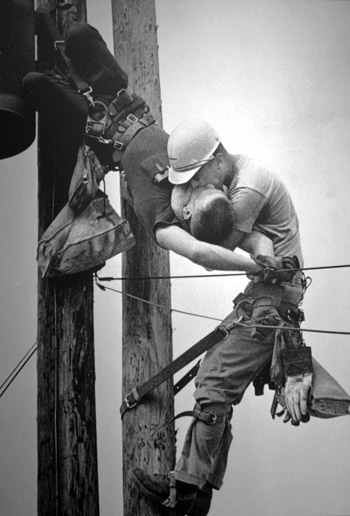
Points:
(30, 82)
(78, 32)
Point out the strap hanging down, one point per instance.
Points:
(139, 392)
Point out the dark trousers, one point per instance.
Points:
(62, 110)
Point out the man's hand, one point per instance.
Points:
(277, 269)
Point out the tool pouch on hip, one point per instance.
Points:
(267, 298)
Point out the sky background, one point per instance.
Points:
(273, 78)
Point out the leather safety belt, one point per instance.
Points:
(139, 392)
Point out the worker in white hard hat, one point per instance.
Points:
(201, 168)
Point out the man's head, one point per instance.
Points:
(209, 215)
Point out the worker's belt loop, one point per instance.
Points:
(132, 399)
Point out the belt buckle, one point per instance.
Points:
(213, 419)
(118, 145)
(132, 118)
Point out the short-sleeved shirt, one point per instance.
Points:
(144, 158)
(262, 202)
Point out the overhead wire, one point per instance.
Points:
(223, 274)
(103, 287)
(31, 351)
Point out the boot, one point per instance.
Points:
(157, 488)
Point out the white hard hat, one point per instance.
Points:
(190, 146)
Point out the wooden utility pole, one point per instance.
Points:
(147, 335)
(67, 450)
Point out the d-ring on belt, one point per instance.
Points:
(117, 124)
(140, 391)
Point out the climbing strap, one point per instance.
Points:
(139, 392)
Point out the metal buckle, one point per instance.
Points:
(213, 420)
(88, 95)
(136, 396)
(58, 42)
(104, 141)
(90, 123)
(132, 118)
(118, 145)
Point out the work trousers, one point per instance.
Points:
(223, 377)
(62, 110)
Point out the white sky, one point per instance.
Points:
(274, 79)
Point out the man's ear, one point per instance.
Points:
(187, 212)
(219, 158)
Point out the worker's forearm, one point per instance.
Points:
(219, 258)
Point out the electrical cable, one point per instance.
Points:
(111, 278)
(102, 287)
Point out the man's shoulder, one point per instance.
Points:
(252, 173)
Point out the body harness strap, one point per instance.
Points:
(139, 392)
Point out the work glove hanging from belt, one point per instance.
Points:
(298, 372)
(266, 299)
(277, 269)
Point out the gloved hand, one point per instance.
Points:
(297, 395)
(277, 269)
(297, 366)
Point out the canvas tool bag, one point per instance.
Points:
(87, 175)
(76, 242)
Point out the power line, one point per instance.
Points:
(111, 278)
(31, 351)
(102, 287)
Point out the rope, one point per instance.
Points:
(111, 278)
(102, 287)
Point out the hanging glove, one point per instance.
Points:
(298, 371)
(277, 269)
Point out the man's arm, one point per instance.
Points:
(253, 243)
(256, 243)
(209, 256)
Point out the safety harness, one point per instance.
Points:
(114, 123)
